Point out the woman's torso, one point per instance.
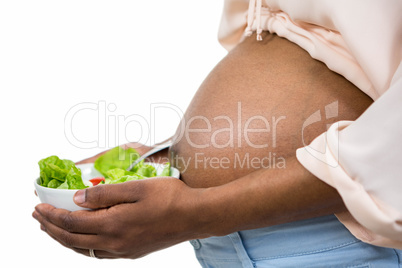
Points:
(259, 104)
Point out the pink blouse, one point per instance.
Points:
(361, 40)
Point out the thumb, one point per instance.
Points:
(104, 196)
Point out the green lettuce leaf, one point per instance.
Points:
(116, 158)
(118, 175)
(166, 170)
(60, 173)
(64, 185)
(54, 183)
(74, 179)
(126, 178)
(114, 163)
(146, 170)
(53, 167)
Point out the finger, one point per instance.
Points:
(99, 254)
(67, 239)
(82, 221)
(104, 196)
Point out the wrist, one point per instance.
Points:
(210, 212)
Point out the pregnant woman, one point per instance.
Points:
(285, 160)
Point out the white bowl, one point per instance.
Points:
(63, 198)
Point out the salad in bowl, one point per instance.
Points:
(60, 178)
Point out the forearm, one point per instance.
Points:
(159, 157)
(264, 198)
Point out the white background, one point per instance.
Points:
(125, 55)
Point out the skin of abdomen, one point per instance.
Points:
(255, 108)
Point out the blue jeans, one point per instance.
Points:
(318, 242)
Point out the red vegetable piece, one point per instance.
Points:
(96, 181)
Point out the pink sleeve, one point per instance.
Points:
(363, 161)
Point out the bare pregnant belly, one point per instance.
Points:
(256, 108)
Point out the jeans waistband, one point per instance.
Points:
(285, 240)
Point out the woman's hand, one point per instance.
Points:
(129, 220)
